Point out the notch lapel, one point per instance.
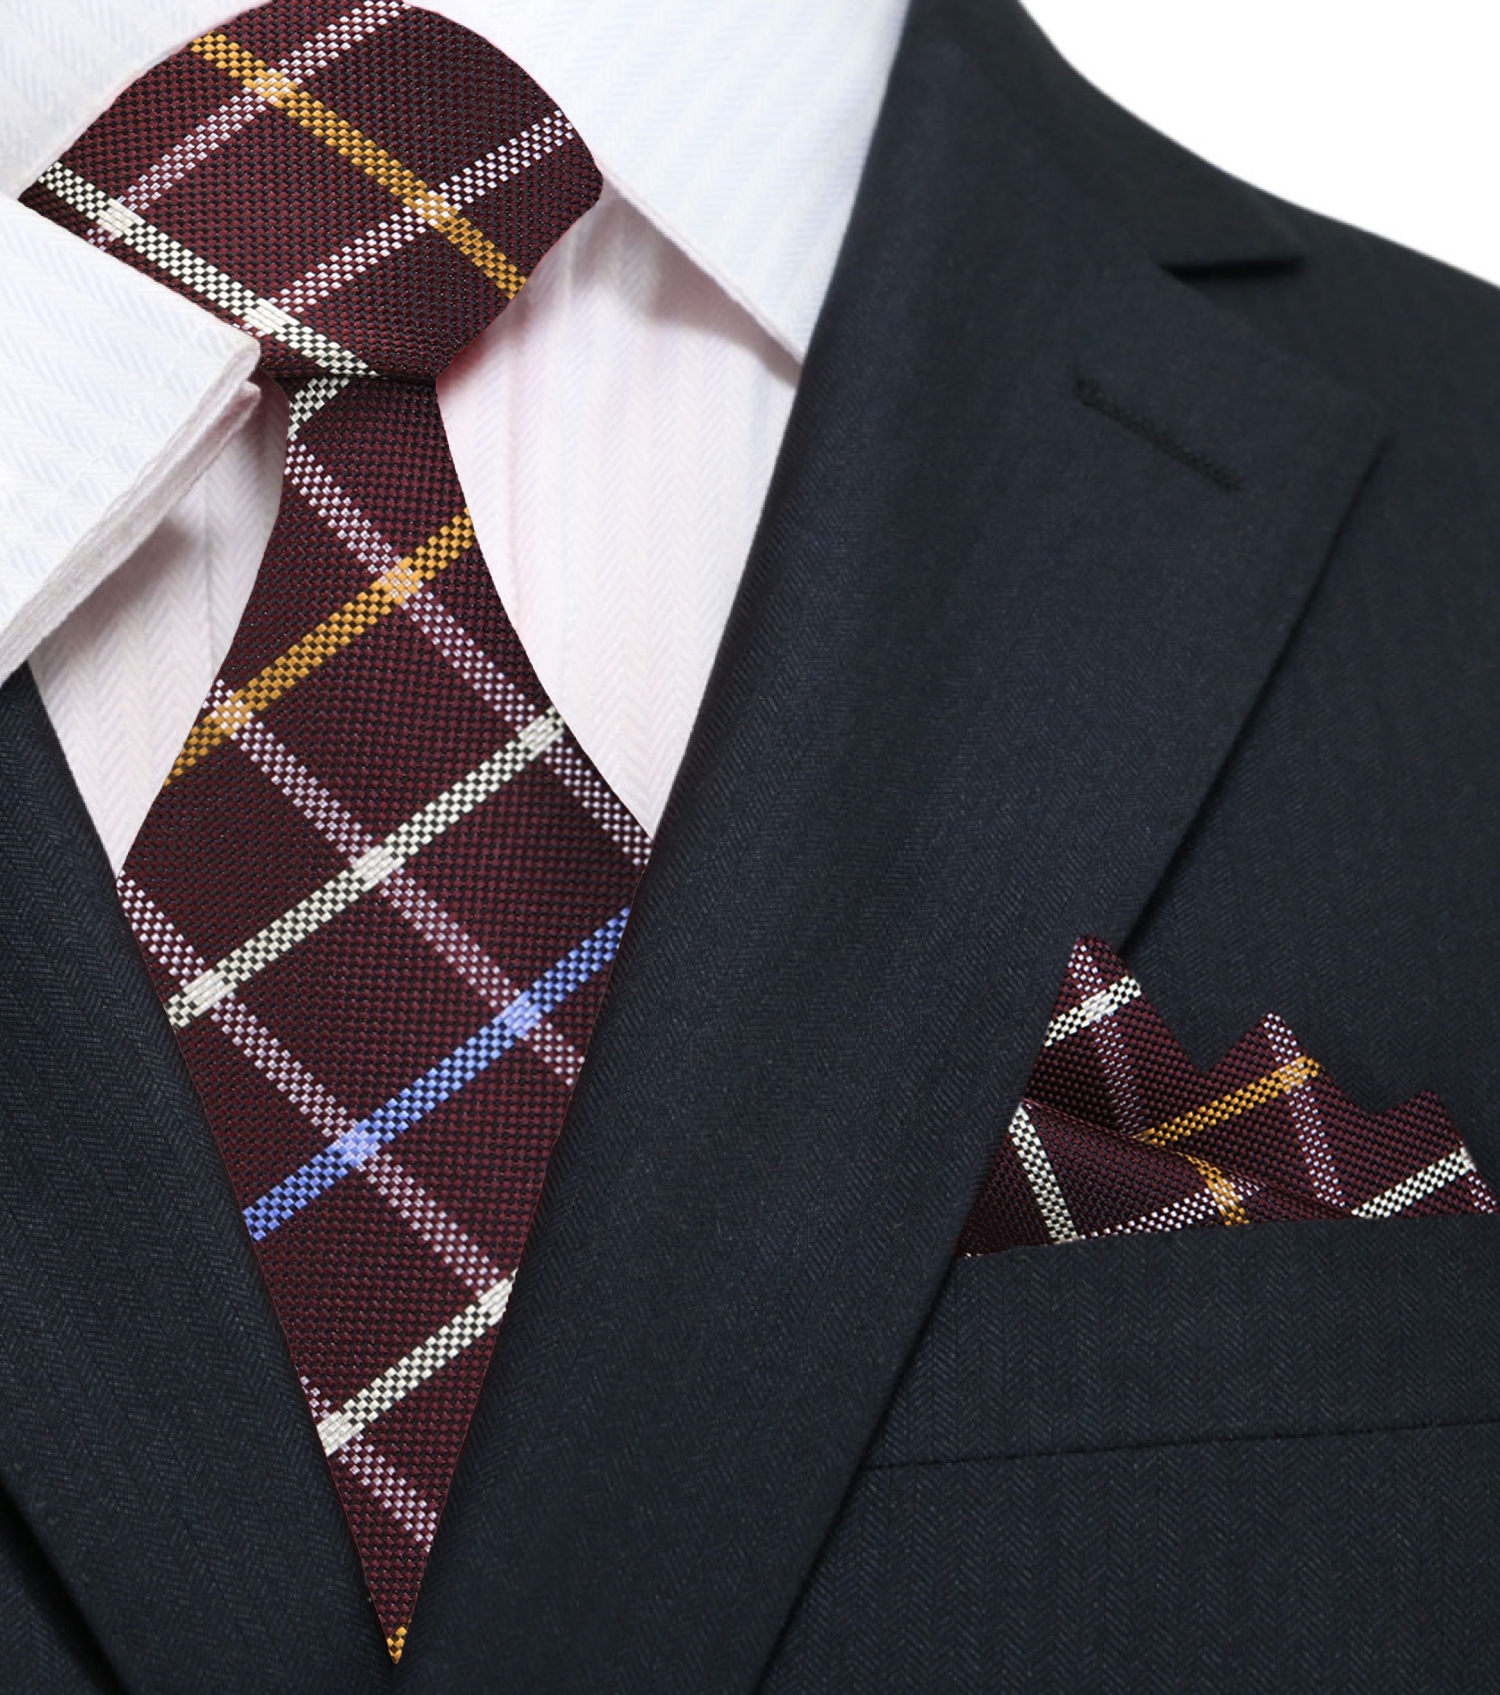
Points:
(151, 1428)
(1042, 523)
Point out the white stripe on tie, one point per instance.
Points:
(1042, 1178)
(1105, 1003)
(310, 398)
(203, 278)
(459, 1252)
(401, 228)
(453, 642)
(361, 1410)
(1419, 1186)
(313, 55)
(371, 868)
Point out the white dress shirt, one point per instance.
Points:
(614, 429)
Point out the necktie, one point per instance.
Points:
(381, 889)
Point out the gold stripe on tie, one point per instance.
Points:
(1226, 1196)
(1275, 1083)
(277, 89)
(389, 590)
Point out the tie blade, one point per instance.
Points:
(381, 890)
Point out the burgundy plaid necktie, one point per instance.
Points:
(382, 887)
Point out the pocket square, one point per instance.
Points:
(1119, 1132)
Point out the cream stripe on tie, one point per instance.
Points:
(381, 890)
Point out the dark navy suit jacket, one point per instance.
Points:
(1132, 567)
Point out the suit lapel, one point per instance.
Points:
(151, 1428)
(1042, 524)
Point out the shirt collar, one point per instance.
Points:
(739, 129)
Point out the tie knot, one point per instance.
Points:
(364, 186)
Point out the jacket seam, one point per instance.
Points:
(1184, 1442)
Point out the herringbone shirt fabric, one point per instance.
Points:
(381, 890)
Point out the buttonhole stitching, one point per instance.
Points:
(1097, 399)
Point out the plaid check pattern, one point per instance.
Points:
(381, 890)
(1119, 1132)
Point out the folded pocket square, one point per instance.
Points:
(1119, 1132)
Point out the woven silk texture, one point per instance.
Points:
(381, 889)
(1119, 1132)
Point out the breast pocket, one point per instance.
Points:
(1261, 1459)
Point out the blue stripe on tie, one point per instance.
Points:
(432, 1088)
